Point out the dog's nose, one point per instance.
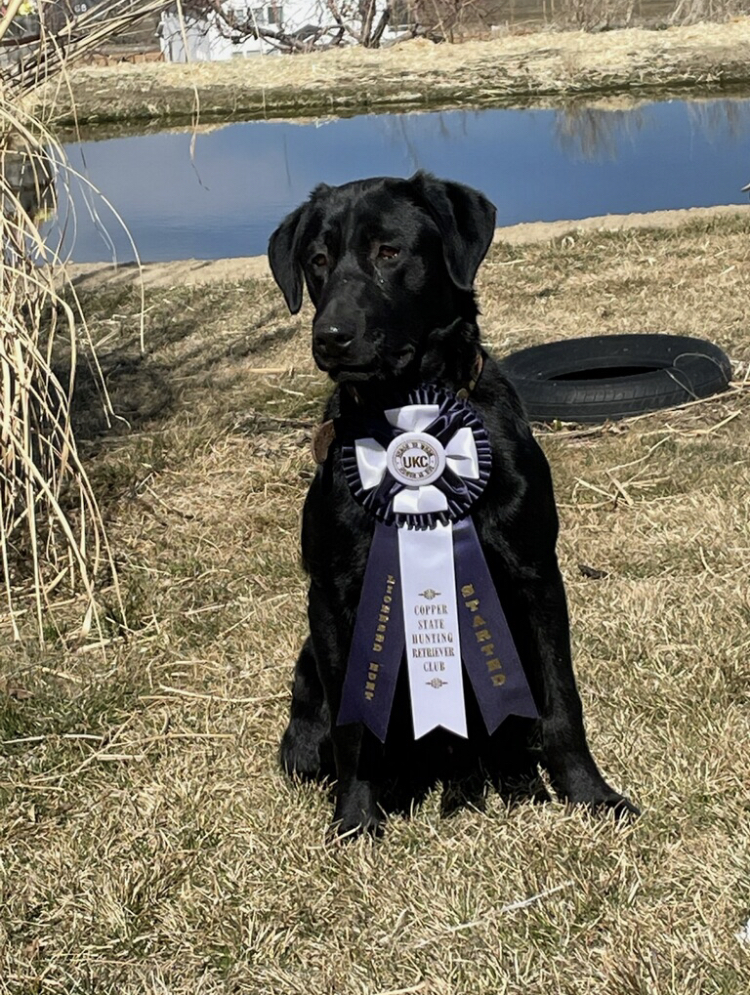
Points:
(331, 341)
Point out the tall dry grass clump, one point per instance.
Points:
(51, 531)
(52, 536)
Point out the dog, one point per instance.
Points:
(389, 265)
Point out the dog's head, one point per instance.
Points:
(388, 264)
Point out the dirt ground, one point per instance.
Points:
(416, 74)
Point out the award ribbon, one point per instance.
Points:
(427, 587)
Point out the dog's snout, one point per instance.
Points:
(332, 340)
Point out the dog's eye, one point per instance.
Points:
(321, 259)
(388, 252)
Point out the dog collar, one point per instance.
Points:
(324, 434)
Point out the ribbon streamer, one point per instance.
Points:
(427, 589)
(378, 641)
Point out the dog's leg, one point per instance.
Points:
(306, 744)
(354, 748)
(566, 755)
(512, 758)
(518, 529)
(357, 796)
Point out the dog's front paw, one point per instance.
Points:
(342, 830)
(306, 750)
(357, 813)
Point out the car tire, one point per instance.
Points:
(615, 376)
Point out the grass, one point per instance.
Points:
(148, 842)
(51, 532)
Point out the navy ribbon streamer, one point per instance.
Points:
(378, 642)
(487, 648)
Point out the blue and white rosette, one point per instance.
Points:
(427, 589)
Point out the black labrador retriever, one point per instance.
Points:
(389, 265)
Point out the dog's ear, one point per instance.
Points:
(283, 258)
(284, 248)
(465, 220)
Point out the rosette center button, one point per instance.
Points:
(415, 459)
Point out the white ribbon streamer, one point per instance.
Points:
(433, 646)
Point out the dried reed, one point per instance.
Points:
(52, 52)
(51, 530)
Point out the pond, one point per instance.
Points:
(222, 191)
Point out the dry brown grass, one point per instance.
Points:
(52, 539)
(148, 843)
(416, 74)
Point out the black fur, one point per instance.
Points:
(389, 265)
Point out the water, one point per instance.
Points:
(225, 196)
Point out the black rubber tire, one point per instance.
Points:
(636, 374)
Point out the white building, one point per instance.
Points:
(209, 38)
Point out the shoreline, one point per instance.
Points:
(195, 272)
(414, 75)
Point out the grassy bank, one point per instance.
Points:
(148, 843)
(416, 75)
